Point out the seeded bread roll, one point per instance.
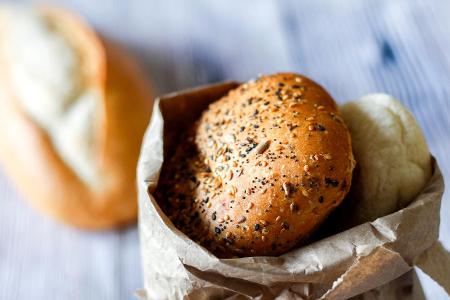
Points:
(261, 169)
(74, 108)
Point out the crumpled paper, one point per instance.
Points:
(336, 267)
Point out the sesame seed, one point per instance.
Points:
(305, 193)
(230, 138)
(242, 219)
(217, 182)
(327, 156)
(220, 220)
(220, 151)
(263, 238)
(249, 205)
(261, 147)
(227, 217)
(286, 188)
(293, 207)
(232, 190)
(278, 218)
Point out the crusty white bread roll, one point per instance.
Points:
(394, 162)
(261, 169)
(73, 112)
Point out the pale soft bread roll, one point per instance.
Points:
(392, 154)
(261, 169)
(74, 110)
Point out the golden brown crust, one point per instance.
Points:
(261, 169)
(29, 158)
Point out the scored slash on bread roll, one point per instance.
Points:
(261, 169)
(394, 162)
(74, 111)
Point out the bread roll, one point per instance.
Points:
(394, 162)
(261, 169)
(74, 110)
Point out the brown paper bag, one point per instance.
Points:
(337, 267)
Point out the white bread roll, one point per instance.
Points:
(74, 109)
(393, 160)
(46, 72)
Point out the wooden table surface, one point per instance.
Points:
(351, 47)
